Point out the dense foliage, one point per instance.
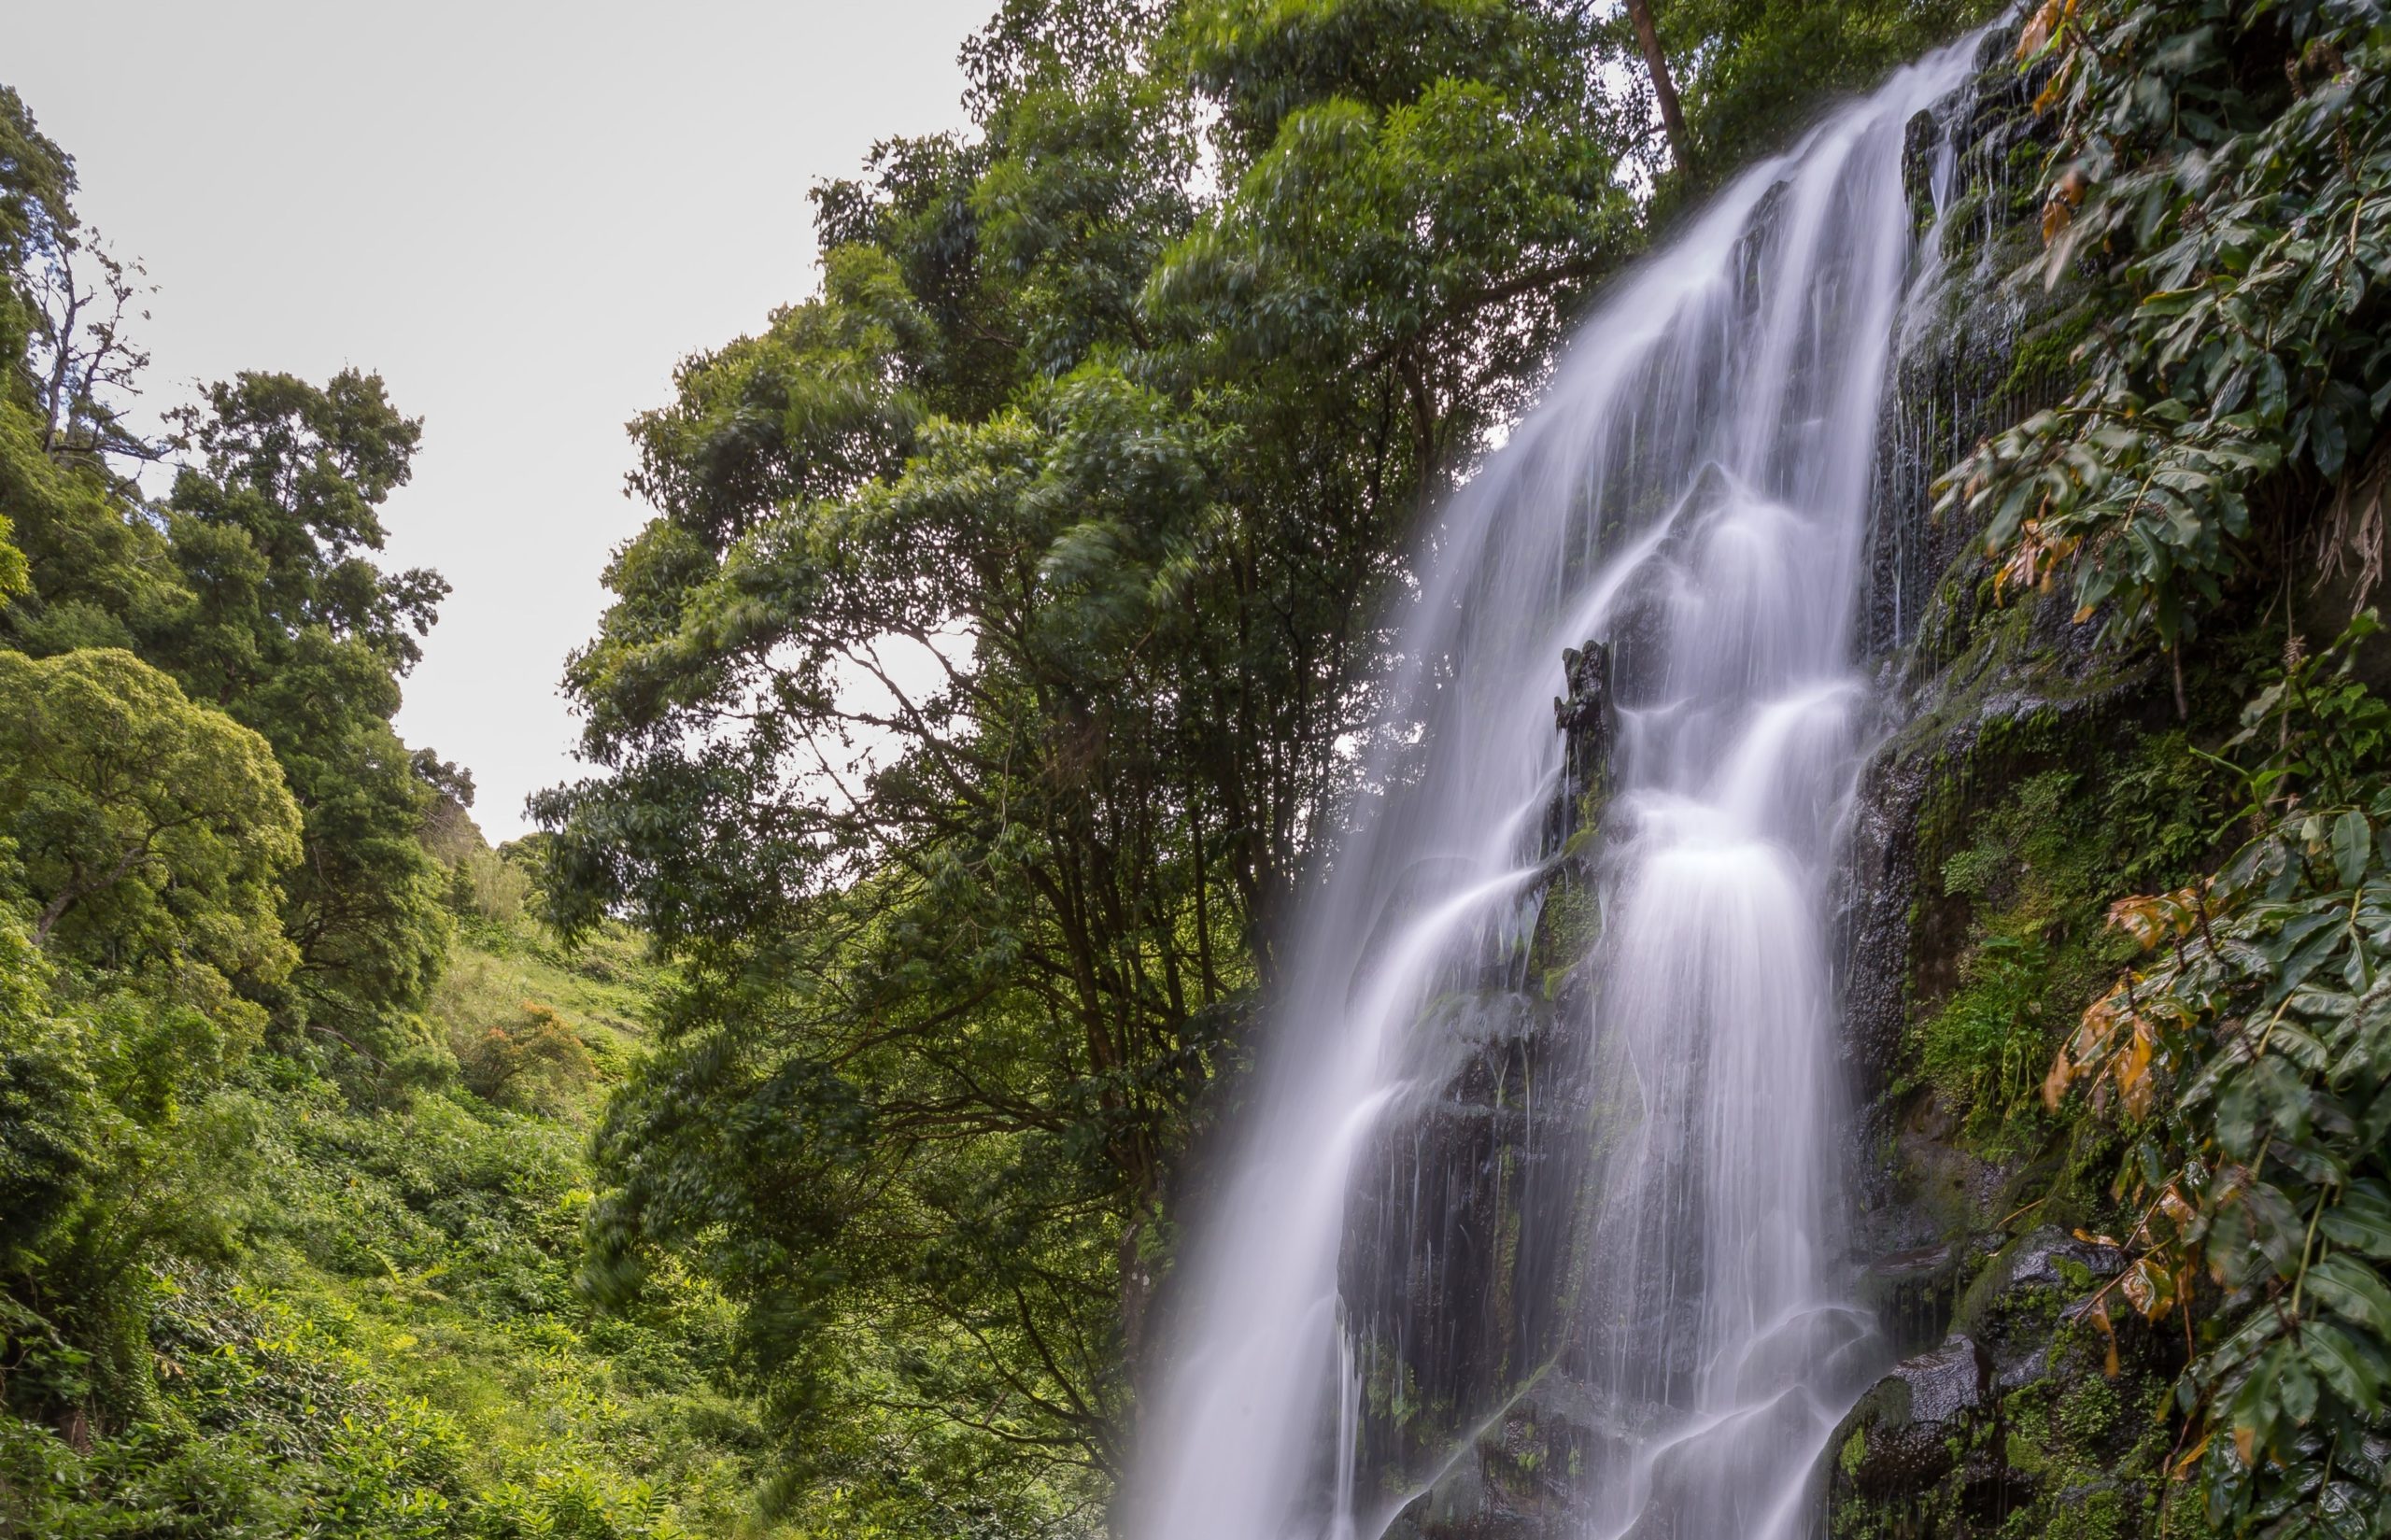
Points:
(2253, 1059)
(2223, 175)
(2217, 199)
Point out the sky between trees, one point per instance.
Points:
(521, 214)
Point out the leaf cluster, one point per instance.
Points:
(2251, 1056)
(2221, 190)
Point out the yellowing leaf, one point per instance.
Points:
(2038, 28)
(2132, 1070)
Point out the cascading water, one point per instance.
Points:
(1691, 496)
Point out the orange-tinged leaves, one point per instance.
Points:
(2148, 1287)
(2033, 558)
(2055, 1084)
(2059, 212)
(2043, 25)
(2152, 919)
(2059, 79)
(2097, 1312)
(2131, 1069)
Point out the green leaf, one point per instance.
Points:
(2347, 1366)
(2353, 841)
(2353, 1290)
(2361, 1221)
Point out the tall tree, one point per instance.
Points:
(293, 629)
(141, 828)
(970, 707)
(1664, 89)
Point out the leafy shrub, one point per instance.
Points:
(2223, 182)
(2252, 1058)
(530, 1060)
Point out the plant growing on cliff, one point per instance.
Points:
(2254, 1058)
(2222, 183)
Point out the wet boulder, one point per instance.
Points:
(1911, 1429)
(2019, 1299)
(1517, 1480)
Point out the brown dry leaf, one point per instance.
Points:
(2140, 1289)
(2055, 1084)
(2058, 81)
(2059, 210)
(2099, 1316)
(2153, 918)
(2132, 1070)
(2038, 28)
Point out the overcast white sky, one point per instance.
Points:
(520, 213)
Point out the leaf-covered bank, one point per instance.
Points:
(2133, 1100)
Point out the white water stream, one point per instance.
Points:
(1694, 493)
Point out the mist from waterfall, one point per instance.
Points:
(1691, 494)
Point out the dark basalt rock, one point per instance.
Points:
(1930, 1449)
(1515, 1480)
(1907, 1433)
(1460, 1311)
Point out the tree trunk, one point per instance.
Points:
(1664, 90)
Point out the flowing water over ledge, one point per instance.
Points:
(1691, 498)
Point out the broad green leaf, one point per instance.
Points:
(2361, 1221)
(2350, 1368)
(2353, 840)
(2354, 1290)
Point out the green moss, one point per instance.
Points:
(2045, 363)
(2034, 868)
(1566, 930)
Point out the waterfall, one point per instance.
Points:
(1689, 497)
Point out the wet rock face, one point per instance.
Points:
(1462, 1246)
(1910, 1431)
(2028, 1408)
(1957, 376)
(1587, 719)
(1979, 352)
(2013, 1410)
(1516, 1479)
(1457, 1277)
